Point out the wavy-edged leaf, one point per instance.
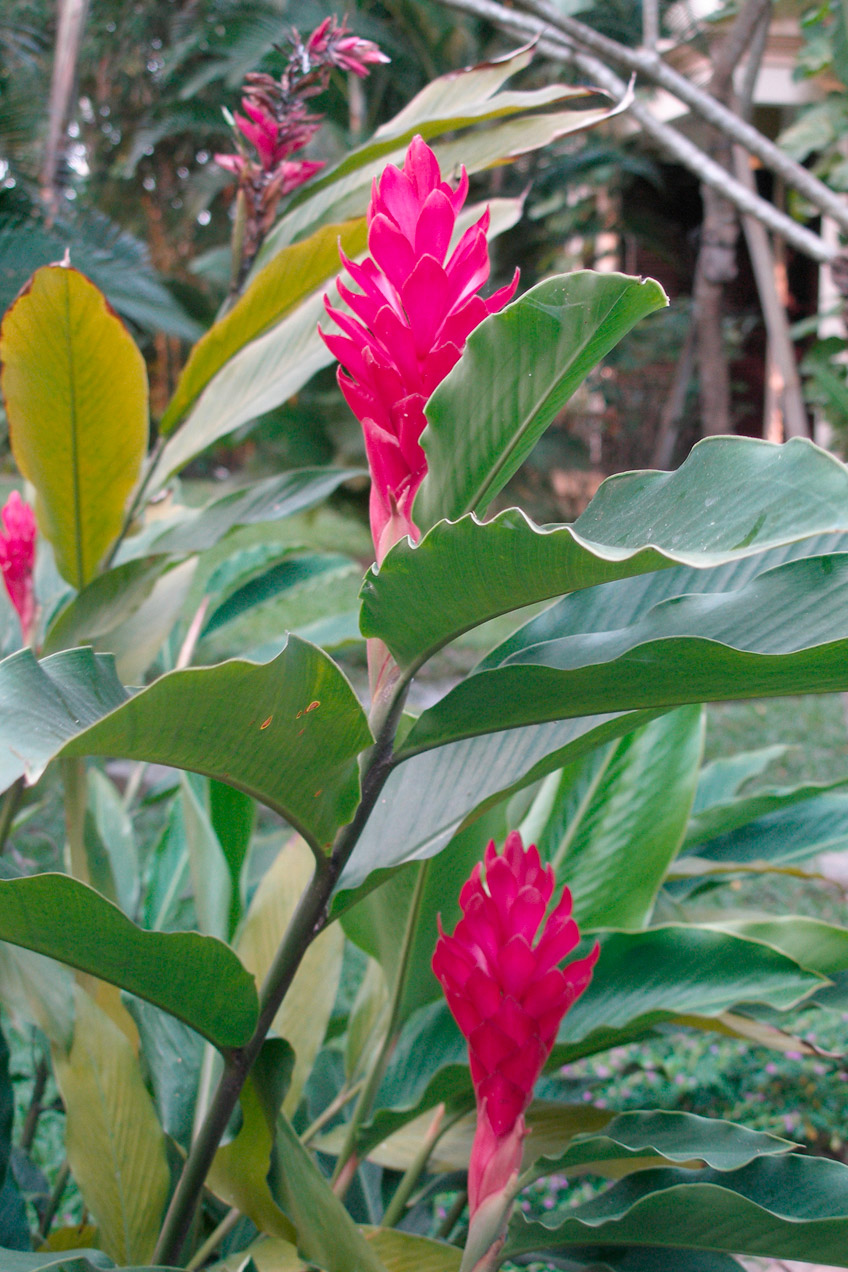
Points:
(790, 1207)
(273, 292)
(823, 947)
(115, 1145)
(75, 387)
(106, 602)
(781, 634)
(461, 575)
(195, 978)
(518, 370)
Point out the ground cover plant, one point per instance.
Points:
(243, 1013)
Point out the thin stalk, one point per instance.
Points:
(396, 1207)
(335, 1106)
(381, 1060)
(453, 1216)
(35, 1106)
(9, 809)
(73, 780)
(307, 921)
(141, 491)
(54, 1200)
(210, 1245)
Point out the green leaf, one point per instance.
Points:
(794, 833)
(172, 1058)
(106, 602)
(305, 1012)
(196, 529)
(297, 719)
(720, 781)
(409, 824)
(274, 291)
(75, 387)
(822, 947)
(518, 370)
(60, 1261)
(110, 843)
(406, 1252)
(233, 815)
(618, 844)
(42, 704)
(115, 1145)
(676, 1137)
(326, 1234)
(195, 978)
(461, 575)
(678, 968)
(210, 875)
(780, 1207)
(781, 634)
(724, 818)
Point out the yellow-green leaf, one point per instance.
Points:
(303, 1017)
(239, 1172)
(75, 388)
(115, 1145)
(288, 277)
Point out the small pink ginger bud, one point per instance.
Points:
(17, 559)
(508, 996)
(332, 41)
(419, 302)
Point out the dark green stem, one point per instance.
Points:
(307, 921)
(453, 1217)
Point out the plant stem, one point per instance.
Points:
(9, 808)
(344, 1097)
(396, 1207)
(141, 491)
(76, 792)
(453, 1217)
(210, 1245)
(35, 1106)
(54, 1200)
(306, 922)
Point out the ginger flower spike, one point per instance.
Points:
(508, 994)
(418, 302)
(17, 559)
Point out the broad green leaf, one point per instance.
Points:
(458, 99)
(195, 978)
(115, 1145)
(210, 876)
(408, 824)
(274, 291)
(679, 968)
(676, 1137)
(106, 602)
(781, 634)
(233, 815)
(239, 1171)
(305, 1012)
(616, 848)
(518, 370)
(37, 990)
(822, 947)
(721, 819)
(61, 1261)
(326, 1234)
(795, 833)
(298, 724)
(398, 1252)
(172, 1058)
(461, 575)
(43, 704)
(75, 388)
(194, 529)
(317, 571)
(136, 642)
(720, 781)
(110, 843)
(790, 1207)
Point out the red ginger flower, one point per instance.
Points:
(17, 558)
(508, 997)
(417, 307)
(333, 42)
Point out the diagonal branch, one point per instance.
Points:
(669, 139)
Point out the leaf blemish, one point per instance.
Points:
(265, 723)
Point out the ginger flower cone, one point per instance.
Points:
(501, 975)
(17, 559)
(418, 301)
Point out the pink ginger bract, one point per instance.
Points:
(418, 303)
(17, 558)
(508, 996)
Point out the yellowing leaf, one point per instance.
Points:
(239, 1170)
(302, 1019)
(75, 388)
(115, 1145)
